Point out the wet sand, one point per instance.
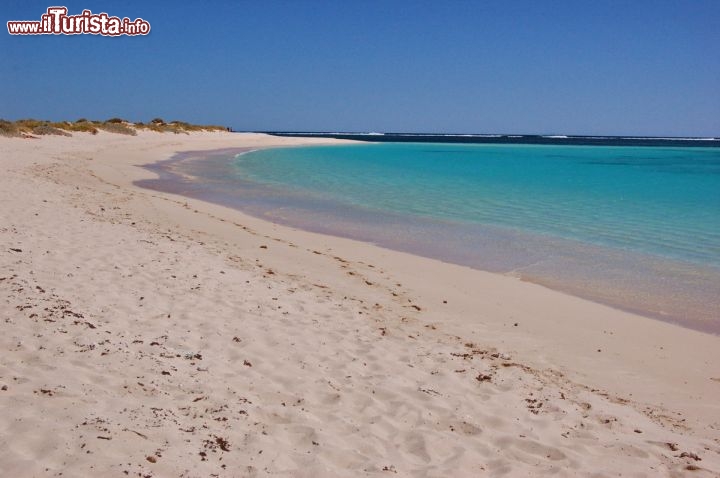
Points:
(150, 334)
(682, 293)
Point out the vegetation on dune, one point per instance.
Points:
(31, 127)
(158, 127)
(177, 127)
(8, 129)
(83, 126)
(29, 124)
(194, 127)
(44, 129)
(119, 128)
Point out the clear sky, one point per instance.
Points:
(578, 67)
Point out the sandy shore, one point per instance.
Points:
(146, 334)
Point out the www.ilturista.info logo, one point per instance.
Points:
(57, 22)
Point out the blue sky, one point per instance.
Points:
(576, 67)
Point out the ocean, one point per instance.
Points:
(634, 227)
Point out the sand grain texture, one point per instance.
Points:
(145, 334)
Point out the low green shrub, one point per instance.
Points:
(9, 129)
(46, 129)
(117, 128)
(113, 125)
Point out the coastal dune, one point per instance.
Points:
(150, 334)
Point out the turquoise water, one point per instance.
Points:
(663, 201)
(633, 227)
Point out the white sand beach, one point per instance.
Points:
(148, 334)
